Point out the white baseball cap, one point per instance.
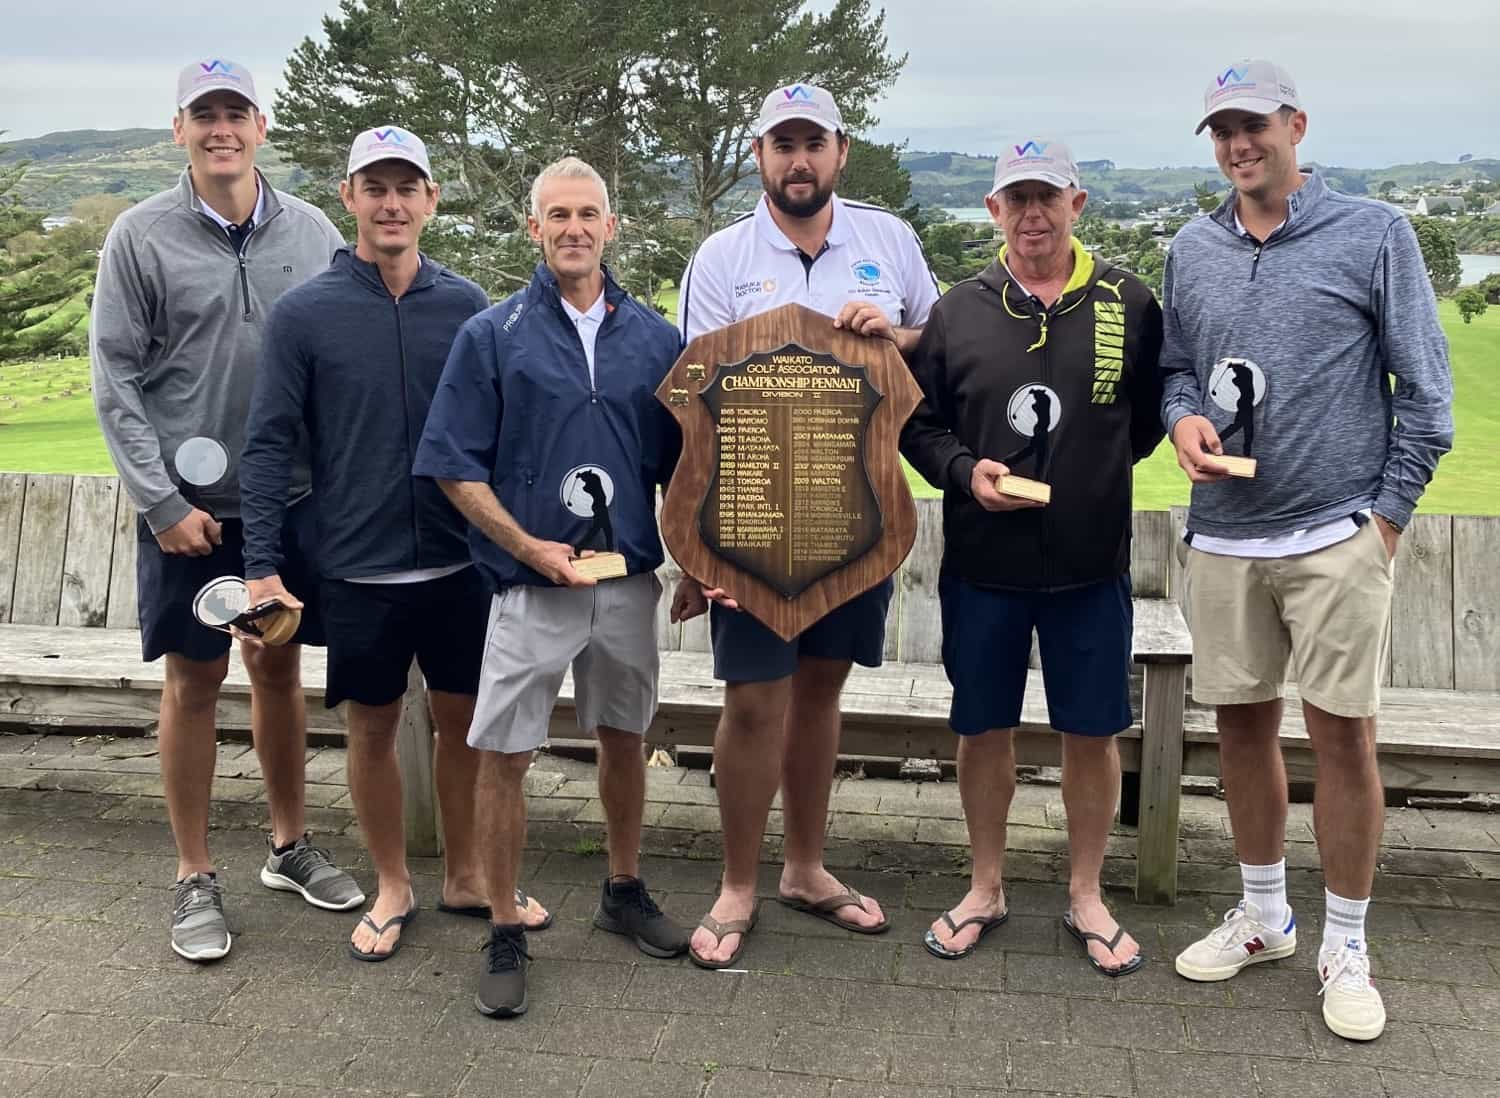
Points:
(214, 74)
(1036, 158)
(1260, 87)
(388, 143)
(803, 101)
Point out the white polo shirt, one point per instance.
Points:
(750, 266)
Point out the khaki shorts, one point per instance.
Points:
(1328, 612)
(606, 632)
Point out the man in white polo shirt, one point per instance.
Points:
(863, 266)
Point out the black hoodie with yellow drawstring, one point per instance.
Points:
(1068, 394)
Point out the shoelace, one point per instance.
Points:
(1236, 927)
(644, 901)
(194, 894)
(306, 858)
(506, 952)
(1350, 968)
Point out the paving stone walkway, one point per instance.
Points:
(93, 1003)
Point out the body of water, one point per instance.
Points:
(1476, 267)
(968, 213)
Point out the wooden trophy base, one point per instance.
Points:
(1237, 466)
(1024, 488)
(278, 628)
(600, 566)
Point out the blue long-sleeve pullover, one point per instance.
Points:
(1330, 307)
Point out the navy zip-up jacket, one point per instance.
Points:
(355, 368)
(572, 462)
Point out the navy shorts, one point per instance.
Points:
(1084, 636)
(167, 582)
(375, 630)
(746, 651)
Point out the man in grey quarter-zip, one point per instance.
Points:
(1288, 312)
(186, 280)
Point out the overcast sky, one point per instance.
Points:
(1384, 81)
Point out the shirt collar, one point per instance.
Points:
(224, 222)
(770, 232)
(1239, 226)
(595, 311)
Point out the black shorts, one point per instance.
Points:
(167, 582)
(374, 630)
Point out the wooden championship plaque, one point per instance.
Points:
(789, 494)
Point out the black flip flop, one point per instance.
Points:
(986, 923)
(403, 921)
(1084, 937)
(482, 911)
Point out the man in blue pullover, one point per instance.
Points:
(351, 361)
(546, 411)
(1302, 318)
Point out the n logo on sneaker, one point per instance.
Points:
(1254, 946)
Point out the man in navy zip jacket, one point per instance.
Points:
(351, 360)
(546, 411)
(1288, 311)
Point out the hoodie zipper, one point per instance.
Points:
(1255, 258)
(411, 491)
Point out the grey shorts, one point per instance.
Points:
(606, 632)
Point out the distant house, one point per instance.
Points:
(1491, 211)
(1430, 205)
(57, 222)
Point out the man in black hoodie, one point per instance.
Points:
(1050, 355)
(352, 359)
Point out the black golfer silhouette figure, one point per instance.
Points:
(1041, 404)
(594, 488)
(1244, 409)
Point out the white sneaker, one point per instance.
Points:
(1240, 940)
(1352, 1007)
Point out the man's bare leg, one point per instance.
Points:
(812, 747)
(1091, 789)
(187, 746)
(278, 724)
(1348, 801)
(986, 785)
(748, 748)
(622, 790)
(1254, 778)
(375, 788)
(502, 828)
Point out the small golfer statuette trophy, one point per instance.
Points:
(1238, 385)
(587, 492)
(1034, 411)
(224, 604)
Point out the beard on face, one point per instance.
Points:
(806, 207)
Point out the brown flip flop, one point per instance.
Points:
(826, 909)
(720, 931)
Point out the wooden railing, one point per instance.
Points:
(67, 557)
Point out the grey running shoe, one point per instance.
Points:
(198, 929)
(502, 988)
(307, 869)
(625, 907)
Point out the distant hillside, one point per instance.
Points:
(134, 163)
(954, 179)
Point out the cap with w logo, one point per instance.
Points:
(214, 74)
(1259, 87)
(389, 143)
(1035, 158)
(799, 101)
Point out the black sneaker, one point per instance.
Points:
(502, 988)
(625, 907)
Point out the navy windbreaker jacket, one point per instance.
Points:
(356, 369)
(572, 462)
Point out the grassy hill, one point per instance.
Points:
(47, 425)
(68, 165)
(953, 179)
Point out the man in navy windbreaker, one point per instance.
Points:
(546, 433)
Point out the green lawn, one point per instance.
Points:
(44, 431)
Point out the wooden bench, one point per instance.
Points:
(67, 552)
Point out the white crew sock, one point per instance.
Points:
(1265, 890)
(1343, 920)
